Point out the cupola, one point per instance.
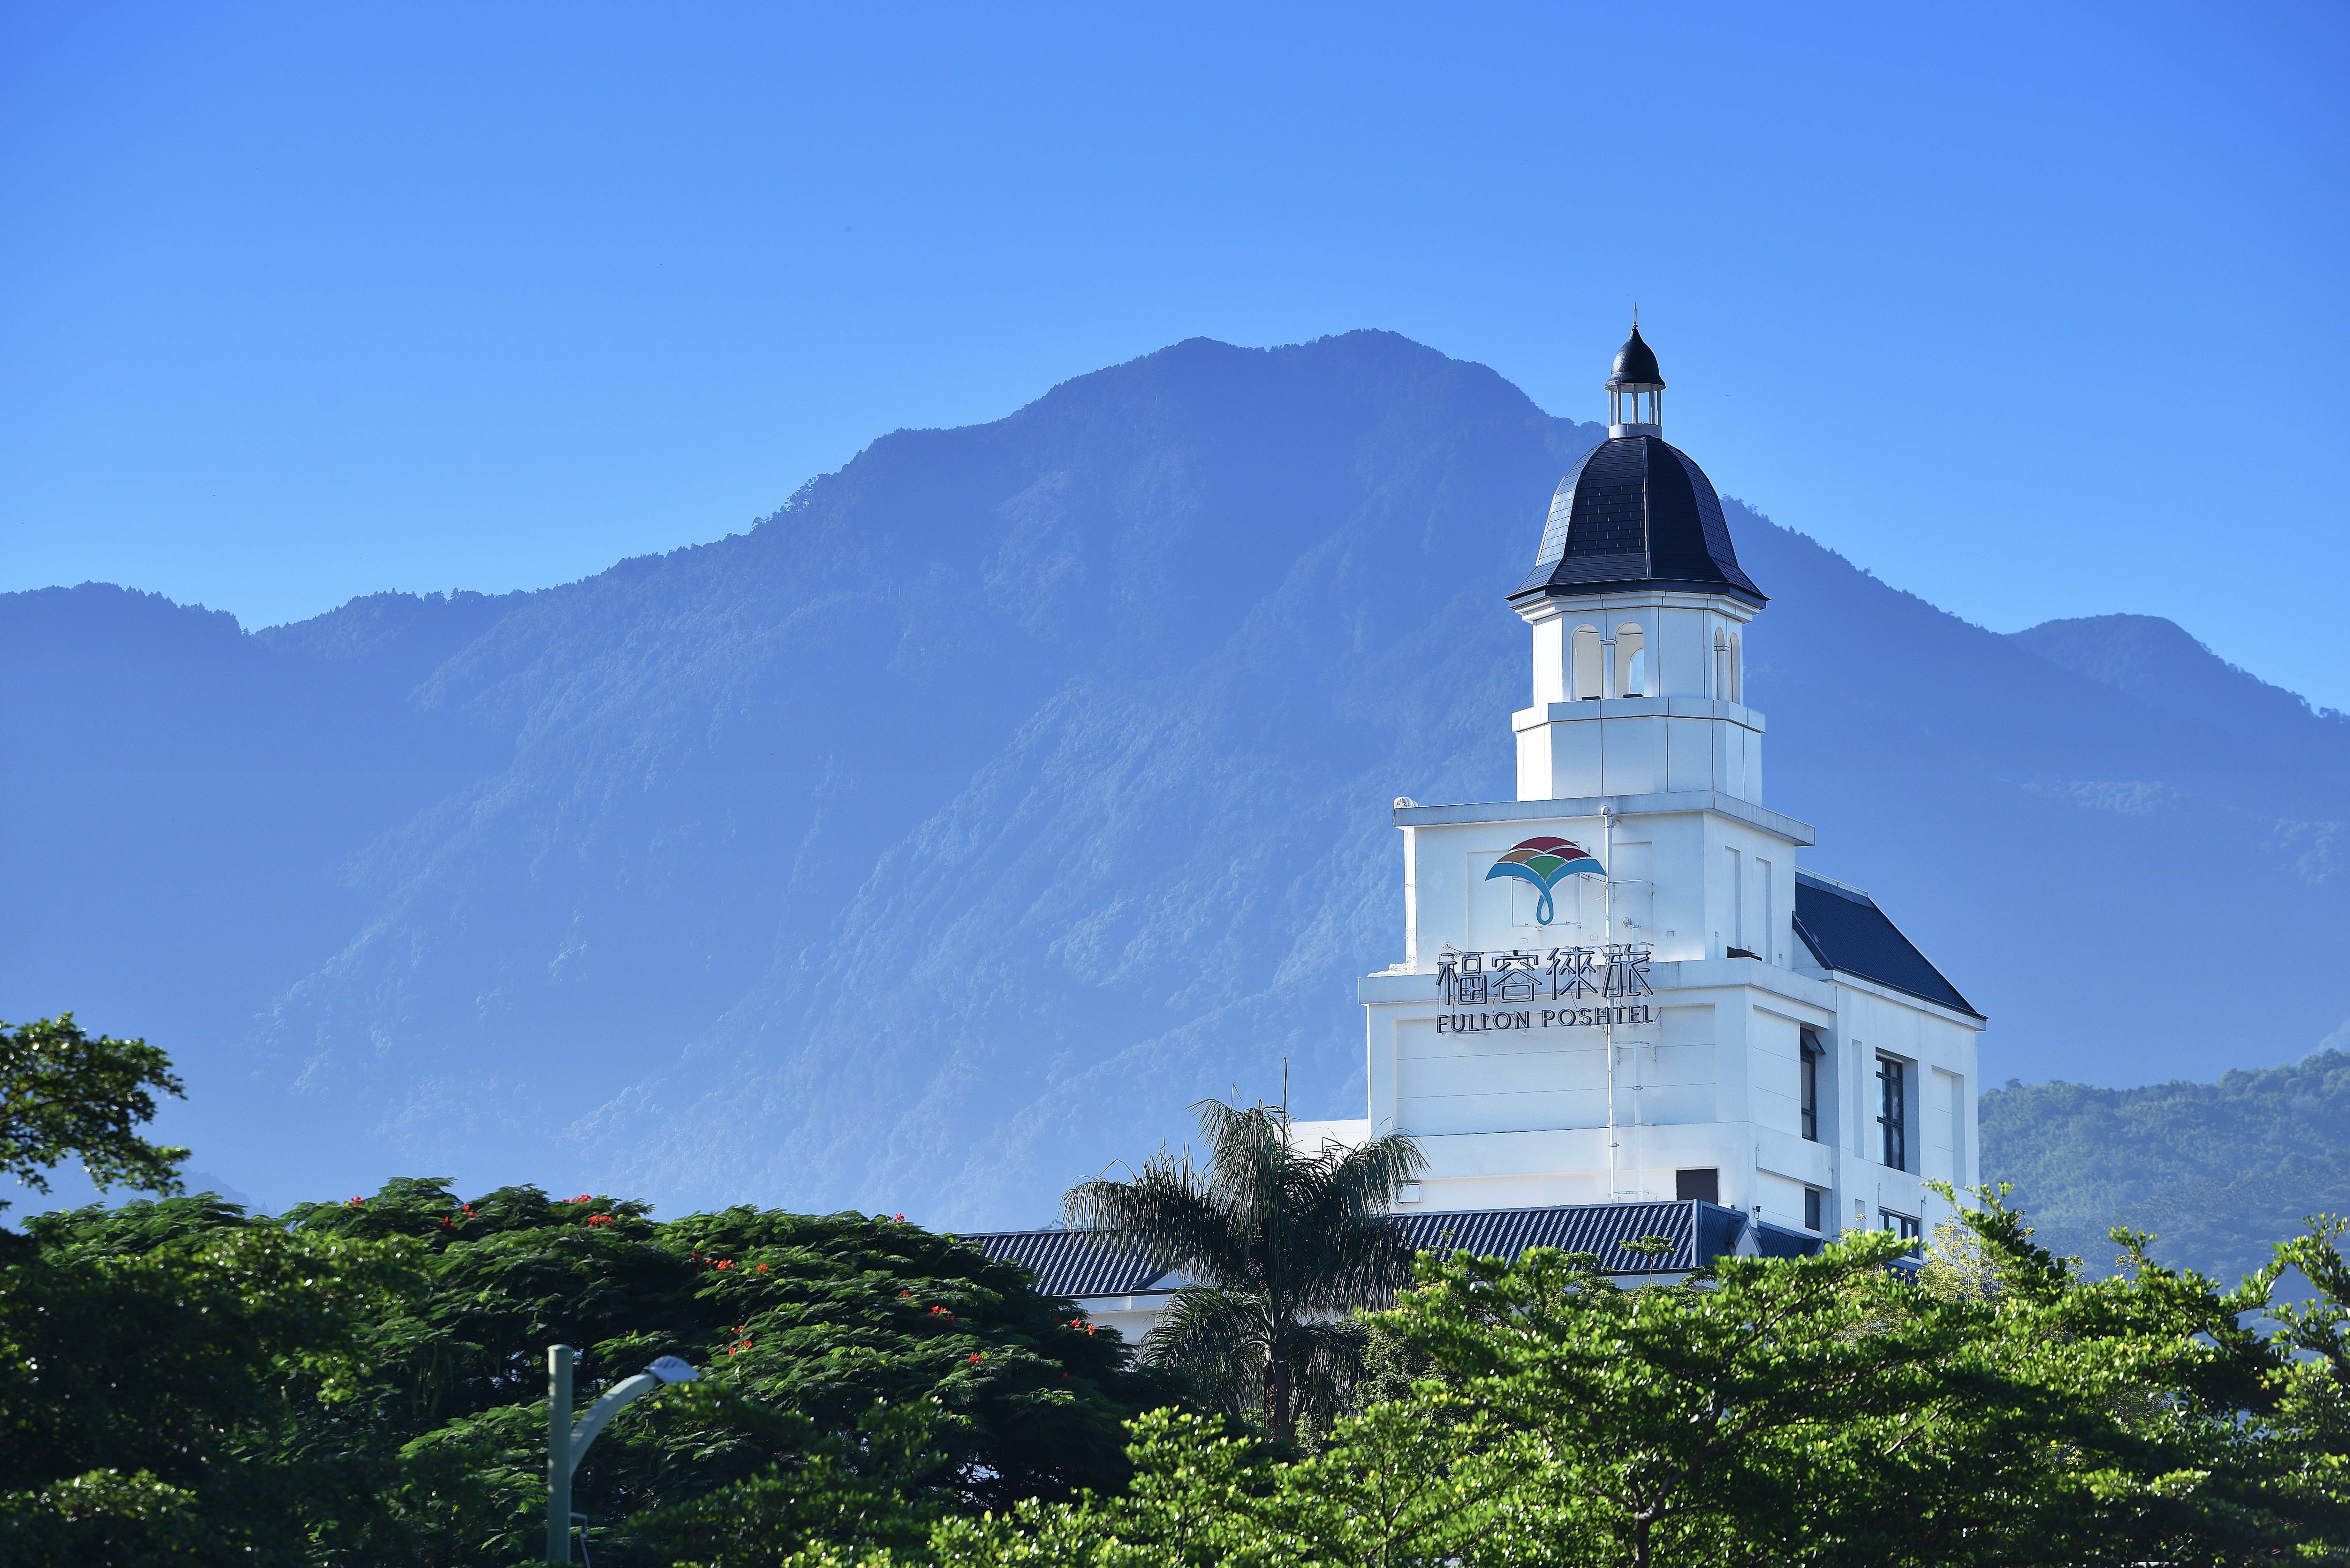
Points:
(1636, 389)
(1635, 512)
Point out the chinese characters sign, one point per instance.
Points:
(1602, 976)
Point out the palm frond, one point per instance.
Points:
(1276, 1242)
(1366, 1178)
(1327, 1361)
(1168, 1216)
(1217, 1339)
(1248, 1155)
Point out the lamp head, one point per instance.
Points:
(670, 1369)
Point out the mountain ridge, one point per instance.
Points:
(933, 842)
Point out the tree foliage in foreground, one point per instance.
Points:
(365, 1382)
(64, 1096)
(1825, 1411)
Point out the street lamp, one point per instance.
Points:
(567, 1443)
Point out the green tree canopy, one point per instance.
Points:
(64, 1094)
(1829, 1412)
(364, 1381)
(174, 1386)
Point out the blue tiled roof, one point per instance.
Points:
(1779, 1241)
(1071, 1263)
(1068, 1262)
(1845, 930)
(1699, 1232)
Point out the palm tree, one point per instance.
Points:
(1279, 1246)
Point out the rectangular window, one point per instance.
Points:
(1906, 1227)
(1737, 900)
(1959, 1176)
(1811, 1196)
(1893, 1112)
(1702, 1184)
(1811, 1091)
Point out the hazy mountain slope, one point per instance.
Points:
(182, 808)
(936, 841)
(2218, 1172)
(1109, 661)
(2162, 666)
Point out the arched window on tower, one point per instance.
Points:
(1720, 665)
(1737, 672)
(1631, 661)
(1584, 651)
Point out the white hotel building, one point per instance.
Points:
(1621, 1009)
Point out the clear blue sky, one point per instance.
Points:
(2034, 311)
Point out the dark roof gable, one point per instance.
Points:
(1845, 930)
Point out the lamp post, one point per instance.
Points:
(567, 1443)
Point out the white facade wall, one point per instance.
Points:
(1665, 788)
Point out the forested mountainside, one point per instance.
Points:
(2219, 1172)
(936, 841)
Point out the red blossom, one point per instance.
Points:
(724, 1263)
(899, 1218)
(760, 1269)
(975, 1358)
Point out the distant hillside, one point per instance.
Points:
(2216, 1171)
(932, 844)
(2163, 667)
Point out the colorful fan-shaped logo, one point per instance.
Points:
(1544, 862)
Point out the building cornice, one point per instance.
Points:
(1538, 605)
(1587, 709)
(1786, 828)
(1894, 993)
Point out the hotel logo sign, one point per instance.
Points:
(1545, 862)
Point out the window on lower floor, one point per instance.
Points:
(1705, 1184)
(1893, 1111)
(1812, 1052)
(1811, 1196)
(1906, 1227)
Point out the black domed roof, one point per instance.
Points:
(1635, 364)
(1636, 513)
